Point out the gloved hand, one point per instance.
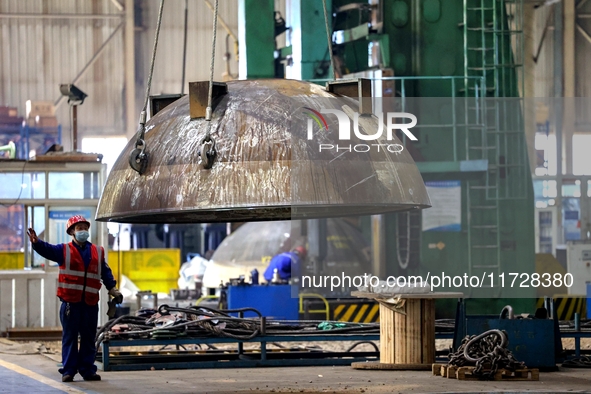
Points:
(32, 236)
(116, 294)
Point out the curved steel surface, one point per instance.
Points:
(265, 169)
(254, 244)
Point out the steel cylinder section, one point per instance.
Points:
(269, 164)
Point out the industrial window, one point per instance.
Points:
(582, 154)
(110, 148)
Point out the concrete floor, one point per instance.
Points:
(38, 374)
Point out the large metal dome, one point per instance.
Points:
(265, 169)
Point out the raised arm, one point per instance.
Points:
(46, 250)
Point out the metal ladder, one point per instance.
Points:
(491, 36)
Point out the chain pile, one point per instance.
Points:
(201, 322)
(487, 352)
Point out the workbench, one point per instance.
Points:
(407, 330)
(129, 361)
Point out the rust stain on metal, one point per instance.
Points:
(265, 169)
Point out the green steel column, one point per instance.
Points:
(308, 37)
(256, 37)
(397, 24)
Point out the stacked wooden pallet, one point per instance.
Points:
(467, 373)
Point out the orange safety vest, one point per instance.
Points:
(74, 280)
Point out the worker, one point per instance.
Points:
(81, 268)
(283, 263)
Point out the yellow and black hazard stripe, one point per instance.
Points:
(567, 306)
(359, 312)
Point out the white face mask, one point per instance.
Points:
(82, 236)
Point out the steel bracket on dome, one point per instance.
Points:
(359, 88)
(161, 101)
(198, 94)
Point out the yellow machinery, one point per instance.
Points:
(148, 269)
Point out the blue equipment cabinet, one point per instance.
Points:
(273, 301)
(530, 340)
(536, 342)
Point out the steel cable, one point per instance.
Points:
(143, 115)
(211, 65)
(329, 39)
(208, 322)
(139, 158)
(578, 362)
(208, 155)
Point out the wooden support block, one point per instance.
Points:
(392, 367)
(437, 369)
(467, 373)
(450, 372)
(520, 374)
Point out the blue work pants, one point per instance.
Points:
(78, 319)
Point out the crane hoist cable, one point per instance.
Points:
(208, 155)
(329, 38)
(138, 160)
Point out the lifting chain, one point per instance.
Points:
(487, 352)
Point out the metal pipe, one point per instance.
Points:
(225, 26)
(581, 4)
(547, 306)
(378, 238)
(94, 58)
(584, 33)
(465, 37)
(59, 16)
(74, 128)
(569, 14)
(118, 5)
(577, 338)
(454, 129)
(585, 209)
(543, 38)
(558, 109)
(507, 313)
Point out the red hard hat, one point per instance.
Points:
(301, 251)
(73, 221)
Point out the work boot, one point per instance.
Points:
(67, 378)
(92, 377)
